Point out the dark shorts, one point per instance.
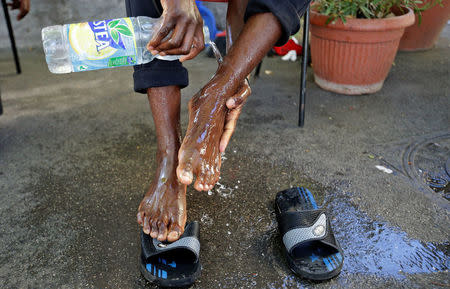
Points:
(156, 73)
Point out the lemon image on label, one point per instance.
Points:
(82, 41)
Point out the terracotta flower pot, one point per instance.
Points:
(355, 57)
(424, 36)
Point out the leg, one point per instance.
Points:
(235, 20)
(199, 154)
(162, 212)
(210, 120)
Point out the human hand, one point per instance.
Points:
(22, 5)
(234, 104)
(182, 18)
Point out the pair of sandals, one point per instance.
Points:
(311, 249)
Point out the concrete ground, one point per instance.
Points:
(77, 153)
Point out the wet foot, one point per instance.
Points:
(162, 212)
(199, 154)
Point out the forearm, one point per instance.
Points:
(235, 20)
(258, 36)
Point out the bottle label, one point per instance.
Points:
(102, 44)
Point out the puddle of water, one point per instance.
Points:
(374, 247)
(371, 248)
(223, 190)
(287, 282)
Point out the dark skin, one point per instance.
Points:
(213, 113)
(162, 212)
(22, 5)
(184, 23)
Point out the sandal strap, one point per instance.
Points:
(298, 219)
(188, 241)
(317, 231)
(307, 230)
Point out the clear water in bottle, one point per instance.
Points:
(99, 44)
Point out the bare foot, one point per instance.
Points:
(162, 212)
(199, 154)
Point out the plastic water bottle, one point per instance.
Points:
(101, 44)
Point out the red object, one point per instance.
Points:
(290, 45)
(355, 57)
(221, 34)
(424, 36)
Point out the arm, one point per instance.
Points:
(234, 26)
(248, 50)
(282, 20)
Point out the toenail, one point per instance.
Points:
(161, 245)
(187, 173)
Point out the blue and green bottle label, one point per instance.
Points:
(102, 44)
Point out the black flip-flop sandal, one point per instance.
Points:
(311, 249)
(174, 264)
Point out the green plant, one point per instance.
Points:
(343, 9)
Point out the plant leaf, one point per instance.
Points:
(113, 23)
(123, 29)
(115, 35)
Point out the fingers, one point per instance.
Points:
(179, 49)
(184, 41)
(240, 97)
(24, 9)
(229, 128)
(234, 104)
(197, 47)
(186, 25)
(162, 32)
(198, 44)
(177, 37)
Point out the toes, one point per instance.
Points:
(184, 173)
(210, 181)
(162, 234)
(175, 232)
(199, 184)
(155, 231)
(214, 179)
(139, 217)
(146, 226)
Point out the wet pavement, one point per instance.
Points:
(77, 152)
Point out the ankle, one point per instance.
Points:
(220, 87)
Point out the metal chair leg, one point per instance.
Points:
(258, 69)
(301, 112)
(11, 37)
